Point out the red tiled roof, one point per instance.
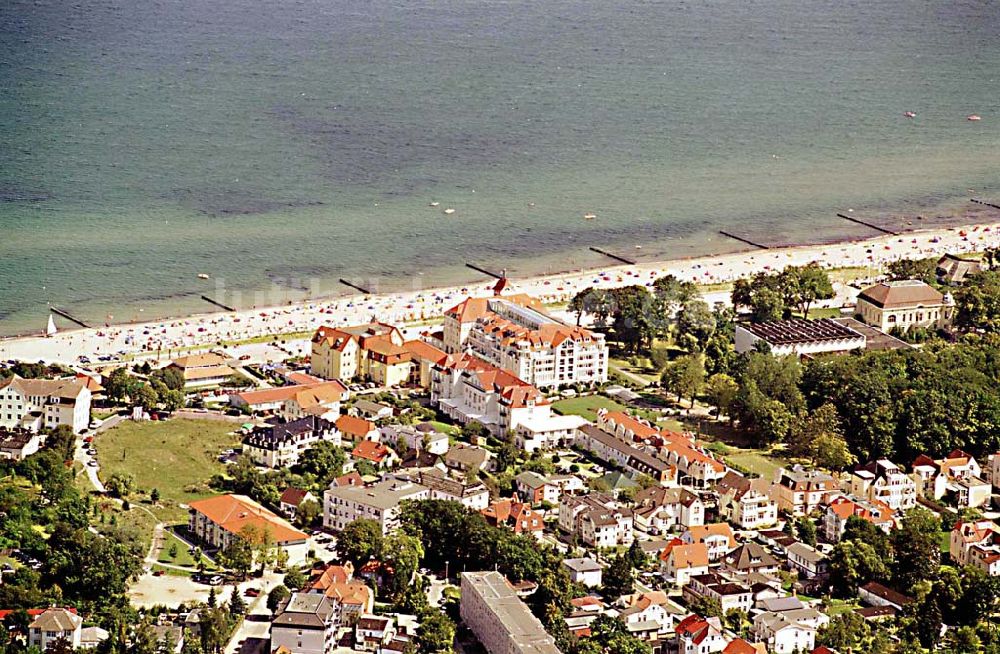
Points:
(354, 426)
(235, 512)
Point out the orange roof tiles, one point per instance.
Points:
(420, 350)
(371, 451)
(354, 426)
(234, 513)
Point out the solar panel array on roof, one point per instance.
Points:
(791, 332)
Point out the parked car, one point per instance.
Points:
(252, 592)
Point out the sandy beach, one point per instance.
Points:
(163, 338)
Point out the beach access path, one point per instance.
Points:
(168, 338)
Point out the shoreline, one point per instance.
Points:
(161, 336)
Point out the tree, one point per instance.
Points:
(237, 556)
(844, 632)
(473, 430)
(915, 544)
(807, 531)
(853, 563)
(695, 325)
(171, 377)
(361, 541)
(721, 391)
(144, 396)
(619, 578)
(979, 596)
(277, 595)
(118, 384)
(977, 302)
(685, 376)
(119, 485)
(294, 579)
(964, 640)
(173, 400)
(707, 607)
(611, 636)
(823, 421)
(401, 553)
(237, 607)
(436, 632)
(154, 495)
(832, 452)
(638, 318)
(806, 284)
(636, 557)
(308, 512)
(592, 301)
(324, 461)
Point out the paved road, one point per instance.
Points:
(80, 453)
(258, 621)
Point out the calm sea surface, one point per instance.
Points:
(279, 146)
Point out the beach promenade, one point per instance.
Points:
(165, 337)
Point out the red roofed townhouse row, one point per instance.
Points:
(373, 351)
(514, 333)
(218, 521)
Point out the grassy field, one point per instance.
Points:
(756, 461)
(177, 457)
(589, 405)
(183, 557)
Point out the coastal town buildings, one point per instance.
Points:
(514, 334)
(957, 475)
(903, 305)
(373, 351)
(17, 443)
(976, 543)
(281, 444)
(306, 624)
(745, 502)
(342, 505)
(498, 617)
(53, 625)
(954, 268)
(800, 492)
(884, 481)
(322, 399)
(36, 404)
(841, 508)
(203, 370)
(217, 521)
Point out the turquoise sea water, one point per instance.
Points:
(279, 146)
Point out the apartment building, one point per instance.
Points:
(469, 389)
(884, 481)
(307, 624)
(217, 521)
(841, 508)
(658, 510)
(55, 624)
(281, 444)
(36, 404)
(514, 334)
(800, 492)
(474, 496)
(499, 619)
(957, 474)
(745, 502)
(380, 502)
(976, 544)
(597, 519)
(373, 351)
(635, 461)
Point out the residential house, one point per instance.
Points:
(306, 624)
(281, 444)
(782, 633)
(217, 521)
(976, 544)
(466, 458)
(841, 508)
(729, 594)
(679, 561)
(342, 505)
(698, 635)
(422, 437)
(374, 453)
(740, 646)
(718, 538)
(535, 488)
(515, 515)
(514, 334)
(373, 632)
(746, 502)
(609, 448)
(355, 430)
(884, 481)
(597, 519)
(37, 404)
(292, 498)
(471, 494)
(546, 432)
(584, 571)
(875, 594)
(957, 475)
(203, 370)
(800, 492)
(371, 410)
(658, 510)
(350, 596)
(55, 624)
(807, 560)
(648, 616)
(321, 399)
(750, 557)
(17, 443)
(904, 305)
(424, 357)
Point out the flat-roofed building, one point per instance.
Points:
(342, 505)
(498, 617)
(905, 304)
(799, 337)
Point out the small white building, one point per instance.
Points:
(584, 571)
(903, 305)
(52, 625)
(307, 624)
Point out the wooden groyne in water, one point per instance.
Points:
(68, 316)
(616, 257)
(489, 273)
(216, 303)
(744, 240)
(985, 203)
(867, 224)
(355, 286)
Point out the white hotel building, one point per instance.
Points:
(514, 334)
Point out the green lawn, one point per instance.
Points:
(836, 607)
(756, 461)
(445, 428)
(589, 405)
(183, 558)
(177, 457)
